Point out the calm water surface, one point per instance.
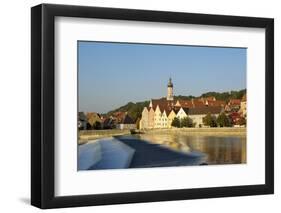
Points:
(219, 149)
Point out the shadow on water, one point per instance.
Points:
(155, 155)
(162, 150)
(218, 149)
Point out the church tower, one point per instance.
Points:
(170, 95)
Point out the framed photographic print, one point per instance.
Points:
(139, 106)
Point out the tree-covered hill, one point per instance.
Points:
(135, 109)
(226, 96)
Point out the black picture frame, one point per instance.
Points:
(43, 102)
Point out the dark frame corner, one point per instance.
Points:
(42, 105)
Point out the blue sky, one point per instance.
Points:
(112, 74)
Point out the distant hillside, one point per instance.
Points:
(135, 109)
(226, 96)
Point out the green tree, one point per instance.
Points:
(97, 125)
(176, 122)
(242, 121)
(88, 126)
(209, 120)
(138, 123)
(223, 120)
(187, 122)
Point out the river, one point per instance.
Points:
(218, 149)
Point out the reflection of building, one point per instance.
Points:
(161, 112)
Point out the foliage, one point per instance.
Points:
(176, 122)
(242, 121)
(97, 125)
(182, 97)
(209, 120)
(225, 96)
(223, 120)
(138, 123)
(134, 109)
(186, 122)
(88, 127)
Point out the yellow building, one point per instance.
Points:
(161, 112)
(171, 117)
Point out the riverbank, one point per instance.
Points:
(86, 135)
(218, 131)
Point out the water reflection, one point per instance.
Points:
(219, 149)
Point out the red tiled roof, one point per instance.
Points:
(163, 104)
(198, 103)
(118, 115)
(205, 110)
(210, 98)
(216, 103)
(186, 103)
(234, 102)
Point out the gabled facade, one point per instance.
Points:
(164, 120)
(171, 117)
(144, 122)
(161, 112)
(151, 118)
(93, 118)
(182, 113)
(157, 117)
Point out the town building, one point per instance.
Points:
(126, 123)
(243, 106)
(161, 112)
(233, 105)
(197, 114)
(82, 121)
(93, 120)
(170, 93)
